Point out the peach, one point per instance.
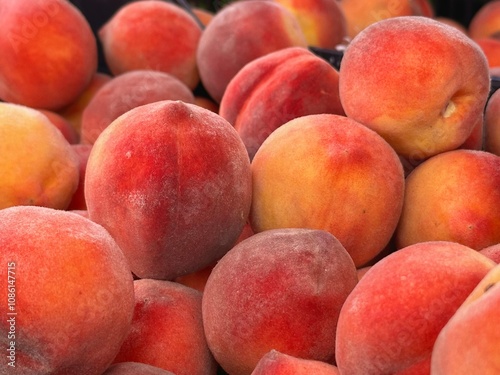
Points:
(280, 289)
(207, 103)
(239, 33)
(135, 368)
(360, 14)
(486, 21)
(389, 322)
(137, 37)
(491, 48)
(49, 53)
(125, 92)
(38, 166)
(73, 112)
(446, 84)
(203, 15)
(492, 252)
(329, 172)
(70, 298)
(171, 181)
(167, 329)
(322, 21)
(454, 23)
(492, 124)
(276, 363)
(64, 126)
(452, 197)
(469, 342)
(276, 88)
(78, 199)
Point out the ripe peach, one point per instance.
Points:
(276, 363)
(73, 112)
(360, 14)
(167, 329)
(64, 126)
(280, 289)
(492, 124)
(429, 86)
(492, 252)
(491, 48)
(239, 33)
(391, 319)
(126, 91)
(137, 37)
(135, 368)
(276, 88)
(470, 340)
(78, 199)
(38, 166)
(452, 197)
(70, 292)
(329, 172)
(171, 181)
(49, 53)
(322, 21)
(486, 21)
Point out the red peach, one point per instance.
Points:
(492, 252)
(70, 294)
(171, 181)
(391, 319)
(239, 33)
(135, 368)
(167, 329)
(276, 363)
(491, 48)
(78, 199)
(125, 92)
(280, 289)
(486, 21)
(64, 126)
(49, 53)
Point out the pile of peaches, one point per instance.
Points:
(291, 217)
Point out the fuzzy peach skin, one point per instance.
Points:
(239, 33)
(73, 112)
(452, 197)
(492, 124)
(276, 363)
(137, 37)
(276, 88)
(135, 368)
(423, 84)
(78, 198)
(492, 252)
(125, 92)
(486, 21)
(167, 329)
(322, 21)
(391, 319)
(38, 166)
(64, 126)
(49, 53)
(68, 293)
(360, 14)
(280, 289)
(469, 343)
(329, 172)
(171, 181)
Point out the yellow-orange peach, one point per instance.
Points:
(239, 33)
(125, 92)
(68, 293)
(360, 14)
(280, 289)
(452, 196)
(469, 342)
(391, 319)
(276, 363)
(171, 181)
(424, 84)
(49, 53)
(38, 166)
(137, 37)
(486, 21)
(322, 21)
(167, 329)
(329, 172)
(276, 88)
